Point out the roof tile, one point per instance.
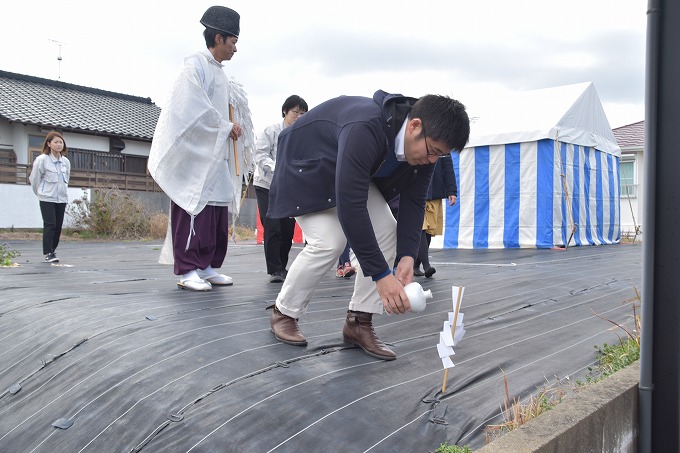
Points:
(33, 100)
(630, 135)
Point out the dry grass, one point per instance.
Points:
(158, 225)
(20, 235)
(243, 233)
(516, 412)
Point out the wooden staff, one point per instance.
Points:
(236, 165)
(453, 332)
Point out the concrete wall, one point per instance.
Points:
(153, 201)
(248, 214)
(21, 209)
(601, 418)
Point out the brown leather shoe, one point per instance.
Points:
(359, 331)
(285, 328)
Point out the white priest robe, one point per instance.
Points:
(190, 152)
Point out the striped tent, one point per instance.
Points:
(541, 170)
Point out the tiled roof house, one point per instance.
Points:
(631, 139)
(73, 108)
(93, 122)
(108, 137)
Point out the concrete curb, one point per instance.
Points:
(602, 417)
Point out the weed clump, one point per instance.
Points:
(516, 412)
(114, 214)
(612, 358)
(609, 358)
(446, 448)
(7, 254)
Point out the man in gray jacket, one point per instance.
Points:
(338, 166)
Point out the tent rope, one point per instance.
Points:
(565, 196)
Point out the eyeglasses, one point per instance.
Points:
(429, 152)
(297, 112)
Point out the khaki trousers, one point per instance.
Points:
(325, 242)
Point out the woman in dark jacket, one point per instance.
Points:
(442, 185)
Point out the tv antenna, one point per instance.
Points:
(59, 44)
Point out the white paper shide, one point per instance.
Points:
(453, 329)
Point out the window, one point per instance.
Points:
(36, 141)
(627, 178)
(35, 144)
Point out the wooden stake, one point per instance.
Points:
(453, 332)
(236, 165)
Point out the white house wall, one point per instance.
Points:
(102, 144)
(20, 142)
(21, 209)
(89, 142)
(137, 148)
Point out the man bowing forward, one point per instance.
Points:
(338, 166)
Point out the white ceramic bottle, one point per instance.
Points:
(417, 296)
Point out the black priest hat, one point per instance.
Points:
(221, 19)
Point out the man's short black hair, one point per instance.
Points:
(210, 34)
(292, 102)
(444, 119)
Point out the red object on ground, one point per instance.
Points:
(297, 235)
(260, 229)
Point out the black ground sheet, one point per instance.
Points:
(102, 353)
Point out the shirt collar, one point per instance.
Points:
(399, 142)
(211, 58)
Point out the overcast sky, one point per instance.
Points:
(318, 49)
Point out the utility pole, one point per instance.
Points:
(59, 44)
(659, 389)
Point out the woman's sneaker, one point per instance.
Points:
(51, 258)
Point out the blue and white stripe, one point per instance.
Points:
(530, 195)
